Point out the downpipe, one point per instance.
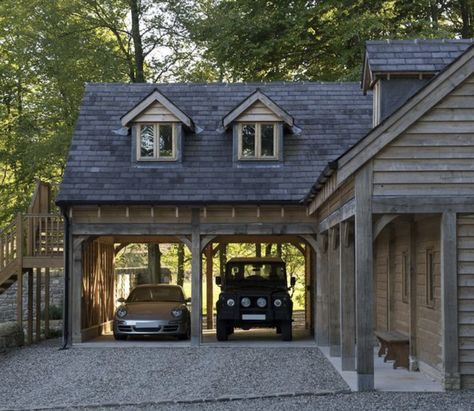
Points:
(66, 337)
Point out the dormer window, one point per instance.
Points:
(157, 142)
(157, 127)
(258, 141)
(259, 126)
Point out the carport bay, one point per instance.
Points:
(95, 231)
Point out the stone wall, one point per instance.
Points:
(8, 298)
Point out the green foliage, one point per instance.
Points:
(55, 313)
(49, 49)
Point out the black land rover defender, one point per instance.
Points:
(254, 293)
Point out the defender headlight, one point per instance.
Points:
(262, 302)
(277, 302)
(121, 312)
(177, 312)
(230, 302)
(245, 302)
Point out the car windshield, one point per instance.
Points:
(256, 273)
(155, 294)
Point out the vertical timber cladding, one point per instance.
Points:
(97, 283)
(435, 155)
(465, 252)
(428, 316)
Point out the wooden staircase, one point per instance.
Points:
(33, 242)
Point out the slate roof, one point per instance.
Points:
(99, 170)
(413, 55)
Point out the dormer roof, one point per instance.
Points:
(409, 57)
(156, 107)
(258, 100)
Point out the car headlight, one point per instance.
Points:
(177, 312)
(121, 312)
(245, 302)
(230, 302)
(277, 302)
(262, 302)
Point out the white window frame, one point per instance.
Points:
(156, 148)
(258, 141)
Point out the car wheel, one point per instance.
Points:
(120, 337)
(286, 331)
(221, 330)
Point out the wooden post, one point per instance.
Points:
(449, 301)
(347, 266)
(46, 302)
(412, 297)
(19, 251)
(307, 287)
(322, 313)
(154, 263)
(29, 327)
(334, 293)
(75, 311)
(196, 281)
(209, 289)
(364, 300)
(38, 305)
(258, 250)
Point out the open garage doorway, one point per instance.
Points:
(135, 290)
(297, 257)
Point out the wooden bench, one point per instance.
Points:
(395, 347)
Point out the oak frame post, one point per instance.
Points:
(322, 314)
(334, 293)
(196, 280)
(347, 305)
(38, 305)
(449, 301)
(209, 288)
(364, 296)
(413, 361)
(75, 313)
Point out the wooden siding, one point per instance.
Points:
(428, 319)
(381, 254)
(391, 312)
(400, 310)
(435, 155)
(258, 112)
(156, 113)
(465, 249)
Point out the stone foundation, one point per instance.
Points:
(8, 298)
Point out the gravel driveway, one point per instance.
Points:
(41, 376)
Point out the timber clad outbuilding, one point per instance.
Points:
(376, 184)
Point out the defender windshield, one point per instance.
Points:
(155, 294)
(256, 274)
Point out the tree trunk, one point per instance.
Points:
(137, 41)
(154, 263)
(466, 10)
(258, 250)
(279, 250)
(268, 250)
(180, 279)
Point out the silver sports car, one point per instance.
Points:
(153, 309)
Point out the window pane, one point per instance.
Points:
(268, 148)
(146, 141)
(248, 140)
(166, 140)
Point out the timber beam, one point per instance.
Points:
(343, 213)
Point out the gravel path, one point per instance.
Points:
(41, 376)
